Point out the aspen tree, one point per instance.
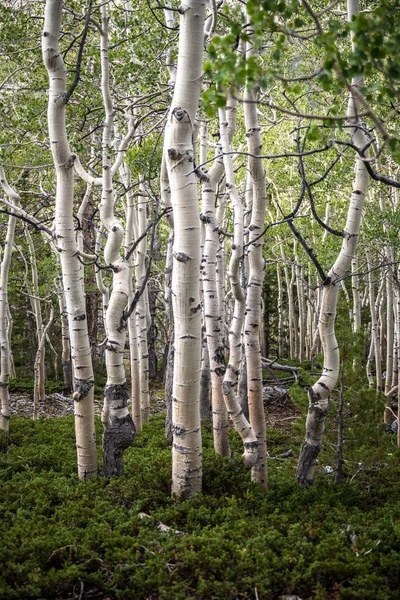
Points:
(5, 263)
(119, 428)
(212, 310)
(255, 283)
(165, 197)
(319, 393)
(142, 307)
(66, 242)
(375, 337)
(178, 150)
(242, 426)
(131, 233)
(40, 371)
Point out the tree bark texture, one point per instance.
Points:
(72, 270)
(178, 148)
(320, 392)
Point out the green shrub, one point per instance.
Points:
(62, 538)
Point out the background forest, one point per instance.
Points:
(199, 216)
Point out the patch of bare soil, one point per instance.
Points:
(279, 408)
(58, 405)
(55, 405)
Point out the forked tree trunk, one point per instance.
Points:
(319, 393)
(72, 270)
(178, 148)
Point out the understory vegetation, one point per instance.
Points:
(62, 538)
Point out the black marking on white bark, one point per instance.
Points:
(188, 337)
(226, 387)
(179, 430)
(111, 348)
(181, 257)
(323, 385)
(181, 449)
(174, 154)
(82, 388)
(80, 317)
(358, 192)
(250, 444)
(195, 309)
(220, 371)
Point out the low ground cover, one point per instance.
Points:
(62, 538)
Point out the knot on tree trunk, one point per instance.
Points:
(82, 388)
(181, 115)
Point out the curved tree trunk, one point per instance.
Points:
(320, 392)
(235, 411)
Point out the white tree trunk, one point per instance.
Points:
(240, 422)
(319, 393)
(142, 308)
(119, 428)
(254, 287)
(65, 238)
(40, 372)
(4, 307)
(212, 309)
(178, 148)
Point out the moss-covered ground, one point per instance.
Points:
(61, 538)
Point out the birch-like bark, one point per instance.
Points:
(291, 316)
(165, 196)
(240, 422)
(255, 284)
(14, 197)
(119, 429)
(72, 271)
(355, 288)
(389, 342)
(212, 310)
(65, 341)
(178, 149)
(281, 333)
(300, 300)
(142, 307)
(40, 372)
(319, 393)
(375, 338)
(131, 233)
(38, 360)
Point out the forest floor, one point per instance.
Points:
(280, 410)
(127, 539)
